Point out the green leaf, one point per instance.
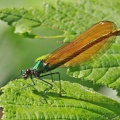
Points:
(77, 102)
(70, 18)
(103, 71)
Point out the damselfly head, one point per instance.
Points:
(26, 73)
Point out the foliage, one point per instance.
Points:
(77, 101)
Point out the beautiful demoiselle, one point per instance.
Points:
(90, 43)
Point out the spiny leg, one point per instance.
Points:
(51, 76)
(47, 89)
(33, 83)
(60, 92)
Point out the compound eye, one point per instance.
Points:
(25, 73)
(28, 71)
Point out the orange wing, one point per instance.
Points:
(84, 46)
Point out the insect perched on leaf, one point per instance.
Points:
(90, 43)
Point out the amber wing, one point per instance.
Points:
(97, 38)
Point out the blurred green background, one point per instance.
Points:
(17, 53)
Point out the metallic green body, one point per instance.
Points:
(40, 66)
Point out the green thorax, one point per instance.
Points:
(40, 66)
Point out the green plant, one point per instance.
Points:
(78, 102)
